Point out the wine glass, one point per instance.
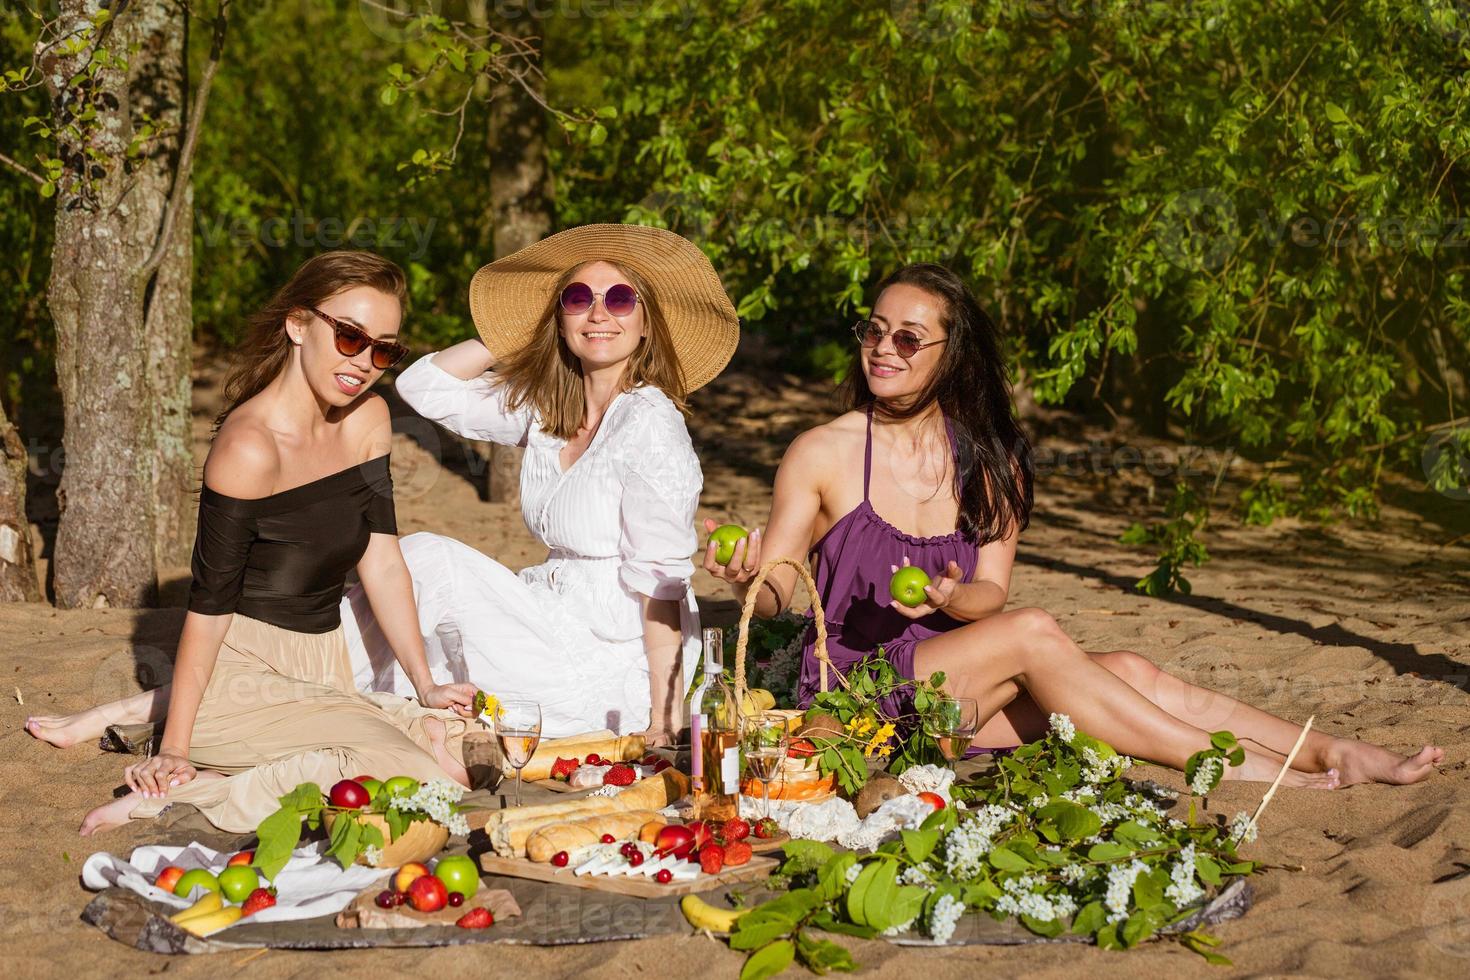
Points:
(518, 726)
(952, 723)
(763, 740)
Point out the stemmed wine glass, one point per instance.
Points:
(952, 723)
(763, 741)
(518, 726)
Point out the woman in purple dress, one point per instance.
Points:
(930, 467)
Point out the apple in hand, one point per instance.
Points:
(907, 586)
(725, 537)
(349, 794)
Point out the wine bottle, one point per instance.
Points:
(714, 737)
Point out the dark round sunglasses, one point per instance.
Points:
(353, 340)
(907, 343)
(578, 297)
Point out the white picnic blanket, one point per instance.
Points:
(308, 886)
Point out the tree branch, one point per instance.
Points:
(22, 168)
(191, 141)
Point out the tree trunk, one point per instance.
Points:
(18, 581)
(113, 381)
(520, 199)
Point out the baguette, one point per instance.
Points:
(655, 792)
(579, 833)
(617, 748)
(508, 839)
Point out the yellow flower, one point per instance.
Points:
(879, 740)
(860, 727)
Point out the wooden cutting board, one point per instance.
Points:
(640, 887)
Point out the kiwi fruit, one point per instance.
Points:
(879, 789)
(819, 724)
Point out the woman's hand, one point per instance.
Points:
(655, 736)
(939, 591)
(153, 776)
(744, 562)
(460, 698)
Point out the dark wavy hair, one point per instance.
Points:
(994, 476)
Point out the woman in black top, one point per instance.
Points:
(296, 492)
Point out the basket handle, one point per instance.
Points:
(748, 612)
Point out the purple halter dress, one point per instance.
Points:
(851, 569)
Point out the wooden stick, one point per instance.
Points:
(1279, 776)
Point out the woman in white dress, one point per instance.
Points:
(590, 341)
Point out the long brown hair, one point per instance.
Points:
(267, 349)
(546, 375)
(994, 475)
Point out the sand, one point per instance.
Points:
(1368, 628)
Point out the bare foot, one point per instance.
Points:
(64, 731)
(1361, 762)
(1262, 765)
(434, 728)
(110, 815)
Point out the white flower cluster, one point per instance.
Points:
(1076, 874)
(915, 875)
(852, 874)
(437, 798)
(1063, 727)
(1183, 889)
(902, 927)
(1207, 775)
(1023, 897)
(1242, 831)
(945, 916)
(1120, 888)
(372, 855)
(1100, 769)
(967, 846)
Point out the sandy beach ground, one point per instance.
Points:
(1368, 629)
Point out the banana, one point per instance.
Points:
(211, 902)
(703, 915)
(212, 922)
(765, 699)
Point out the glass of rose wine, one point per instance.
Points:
(763, 742)
(518, 726)
(952, 723)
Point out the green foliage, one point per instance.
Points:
(1056, 839)
(1176, 541)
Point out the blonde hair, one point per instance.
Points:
(547, 377)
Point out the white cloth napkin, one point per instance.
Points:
(310, 885)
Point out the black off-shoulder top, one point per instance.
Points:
(284, 559)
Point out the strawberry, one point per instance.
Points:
(619, 775)
(766, 828)
(712, 858)
(562, 769)
(737, 852)
(593, 759)
(735, 829)
(476, 918)
(800, 748)
(261, 898)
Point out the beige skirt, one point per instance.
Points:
(280, 709)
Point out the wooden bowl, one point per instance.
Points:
(421, 841)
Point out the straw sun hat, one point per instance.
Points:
(509, 296)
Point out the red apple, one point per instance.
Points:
(428, 894)
(703, 832)
(674, 839)
(244, 857)
(349, 794)
(168, 878)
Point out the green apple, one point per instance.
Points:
(400, 786)
(193, 879)
(370, 784)
(907, 586)
(725, 538)
(238, 882)
(459, 874)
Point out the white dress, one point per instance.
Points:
(567, 633)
